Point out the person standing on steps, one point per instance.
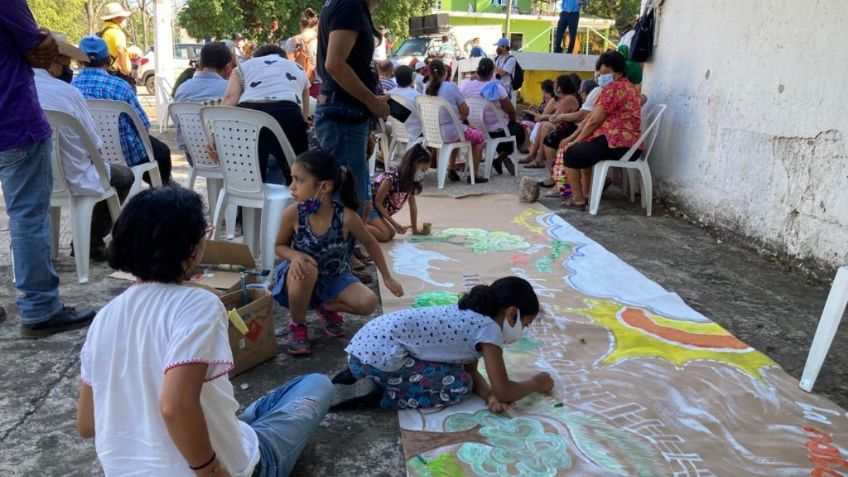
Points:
(114, 18)
(569, 18)
(26, 176)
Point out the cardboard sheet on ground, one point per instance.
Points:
(645, 386)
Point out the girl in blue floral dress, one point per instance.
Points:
(313, 243)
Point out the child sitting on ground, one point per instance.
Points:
(154, 364)
(427, 357)
(392, 189)
(314, 241)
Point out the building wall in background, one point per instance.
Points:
(754, 138)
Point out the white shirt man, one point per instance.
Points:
(504, 65)
(81, 175)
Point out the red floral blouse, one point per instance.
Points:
(623, 123)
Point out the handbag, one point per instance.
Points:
(642, 45)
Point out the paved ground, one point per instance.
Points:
(762, 301)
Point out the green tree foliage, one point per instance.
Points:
(624, 12)
(221, 18)
(63, 16)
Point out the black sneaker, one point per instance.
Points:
(453, 176)
(497, 165)
(477, 180)
(363, 393)
(68, 318)
(344, 377)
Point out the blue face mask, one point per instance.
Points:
(310, 206)
(604, 80)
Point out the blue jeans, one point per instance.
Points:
(347, 141)
(285, 419)
(566, 20)
(27, 180)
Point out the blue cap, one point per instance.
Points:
(503, 42)
(94, 48)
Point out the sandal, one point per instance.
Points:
(528, 159)
(477, 180)
(546, 184)
(553, 193)
(510, 167)
(535, 165)
(570, 204)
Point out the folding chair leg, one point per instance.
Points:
(81, 211)
(442, 166)
(55, 230)
(837, 300)
(647, 189)
(218, 216)
(599, 175)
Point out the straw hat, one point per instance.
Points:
(69, 50)
(113, 10)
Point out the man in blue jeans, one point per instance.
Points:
(347, 102)
(569, 17)
(25, 173)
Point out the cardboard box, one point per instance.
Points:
(260, 343)
(226, 254)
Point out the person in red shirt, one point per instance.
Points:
(610, 130)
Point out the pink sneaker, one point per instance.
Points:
(334, 322)
(298, 339)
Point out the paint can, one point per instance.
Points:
(427, 228)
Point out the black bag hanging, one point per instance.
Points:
(642, 45)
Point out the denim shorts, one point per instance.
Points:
(326, 288)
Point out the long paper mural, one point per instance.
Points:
(645, 386)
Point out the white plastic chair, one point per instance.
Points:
(382, 146)
(187, 115)
(401, 142)
(428, 108)
(81, 206)
(650, 126)
(106, 114)
(237, 140)
(834, 308)
(466, 66)
(164, 100)
(476, 118)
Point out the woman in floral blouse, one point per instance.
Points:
(614, 126)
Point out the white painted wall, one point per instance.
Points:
(754, 138)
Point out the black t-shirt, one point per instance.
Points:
(347, 15)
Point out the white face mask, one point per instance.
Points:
(419, 175)
(511, 334)
(604, 80)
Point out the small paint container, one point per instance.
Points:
(428, 227)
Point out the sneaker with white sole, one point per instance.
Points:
(363, 393)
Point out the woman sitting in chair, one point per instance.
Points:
(502, 111)
(273, 84)
(613, 126)
(437, 86)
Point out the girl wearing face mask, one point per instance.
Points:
(428, 357)
(313, 243)
(392, 189)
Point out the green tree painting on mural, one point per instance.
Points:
(221, 18)
(536, 442)
(478, 240)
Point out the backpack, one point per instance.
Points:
(642, 44)
(517, 76)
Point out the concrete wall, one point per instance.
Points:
(754, 139)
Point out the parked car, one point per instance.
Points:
(422, 47)
(185, 56)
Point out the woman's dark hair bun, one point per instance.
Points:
(504, 292)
